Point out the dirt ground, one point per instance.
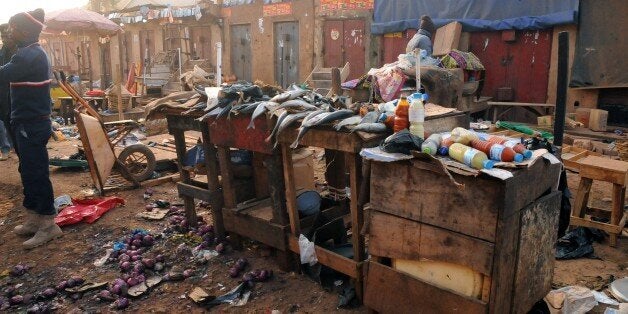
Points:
(83, 243)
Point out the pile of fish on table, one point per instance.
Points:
(290, 106)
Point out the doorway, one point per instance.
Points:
(241, 52)
(344, 42)
(286, 53)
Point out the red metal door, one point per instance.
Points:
(344, 42)
(522, 65)
(354, 47)
(395, 44)
(333, 42)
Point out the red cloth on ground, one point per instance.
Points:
(88, 210)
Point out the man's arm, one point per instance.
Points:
(14, 71)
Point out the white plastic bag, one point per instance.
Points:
(307, 252)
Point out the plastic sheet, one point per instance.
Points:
(88, 210)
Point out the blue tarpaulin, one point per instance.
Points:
(475, 15)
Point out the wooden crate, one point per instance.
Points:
(504, 230)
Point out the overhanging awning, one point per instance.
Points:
(475, 15)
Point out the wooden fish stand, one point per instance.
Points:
(484, 247)
(348, 145)
(188, 188)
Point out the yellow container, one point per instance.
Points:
(55, 93)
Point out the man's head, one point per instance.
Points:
(426, 24)
(26, 25)
(7, 40)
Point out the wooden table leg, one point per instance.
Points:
(211, 167)
(354, 163)
(291, 196)
(190, 207)
(582, 197)
(617, 211)
(229, 194)
(277, 188)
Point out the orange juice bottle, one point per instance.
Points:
(401, 115)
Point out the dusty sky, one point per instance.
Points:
(11, 7)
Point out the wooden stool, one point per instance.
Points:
(608, 170)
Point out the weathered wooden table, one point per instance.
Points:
(492, 241)
(349, 146)
(188, 188)
(263, 218)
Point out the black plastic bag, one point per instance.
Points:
(401, 142)
(577, 243)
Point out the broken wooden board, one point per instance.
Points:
(98, 151)
(447, 38)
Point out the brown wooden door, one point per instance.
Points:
(200, 42)
(344, 42)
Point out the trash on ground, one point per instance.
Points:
(88, 210)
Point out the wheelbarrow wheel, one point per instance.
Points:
(139, 160)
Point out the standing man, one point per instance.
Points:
(423, 38)
(28, 75)
(7, 51)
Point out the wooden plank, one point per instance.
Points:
(535, 262)
(582, 197)
(446, 123)
(233, 132)
(179, 122)
(213, 183)
(190, 207)
(577, 221)
(255, 228)
(330, 259)
(277, 188)
(226, 173)
(260, 176)
(195, 192)
(529, 184)
(447, 38)
(328, 138)
(291, 196)
(354, 163)
(619, 196)
(431, 198)
(396, 237)
(504, 264)
(390, 291)
(159, 181)
(335, 171)
(519, 104)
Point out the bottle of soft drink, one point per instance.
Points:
(431, 144)
(463, 136)
(401, 115)
(512, 143)
(496, 151)
(470, 156)
(416, 115)
(444, 144)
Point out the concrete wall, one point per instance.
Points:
(262, 40)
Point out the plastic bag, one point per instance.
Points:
(307, 252)
(88, 210)
(401, 142)
(578, 299)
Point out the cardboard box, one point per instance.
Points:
(546, 121)
(582, 116)
(598, 119)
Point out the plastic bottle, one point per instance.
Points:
(463, 136)
(444, 144)
(416, 116)
(401, 115)
(496, 151)
(470, 156)
(431, 144)
(512, 143)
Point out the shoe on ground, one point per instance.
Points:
(48, 230)
(30, 225)
(4, 156)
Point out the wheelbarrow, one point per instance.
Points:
(135, 162)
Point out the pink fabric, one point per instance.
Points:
(88, 210)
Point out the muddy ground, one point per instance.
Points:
(82, 244)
